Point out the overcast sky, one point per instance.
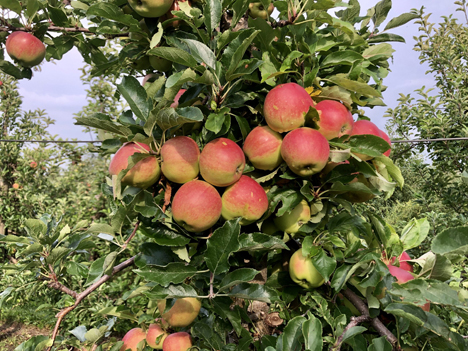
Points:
(58, 88)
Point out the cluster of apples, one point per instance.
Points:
(25, 49)
(180, 315)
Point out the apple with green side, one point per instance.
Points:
(292, 221)
(25, 49)
(154, 332)
(286, 107)
(305, 151)
(263, 148)
(303, 271)
(132, 339)
(150, 8)
(222, 162)
(335, 119)
(182, 313)
(179, 159)
(246, 199)
(257, 10)
(363, 127)
(180, 341)
(196, 206)
(143, 174)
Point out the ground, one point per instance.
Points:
(12, 334)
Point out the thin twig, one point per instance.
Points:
(124, 246)
(60, 29)
(354, 322)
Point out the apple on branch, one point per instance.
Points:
(182, 313)
(335, 119)
(25, 49)
(292, 221)
(263, 148)
(257, 10)
(179, 159)
(303, 271)
(132, 339)
(150, 8)
(180, 341)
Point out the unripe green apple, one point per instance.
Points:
(263, 148)
(305, 151)
(150, 8)
(143, 174)
(291, 222)
(196, 206)
(286, 106)
(256, 10)
(141, 64)
(363, 127)
(160, 64)
(245, 198)
(132, 338)
(182, 313)
(154, 331)
(222, 162)
(335, 119)
(303, 271)
(180, 341)
(179, 159)
(25, 49)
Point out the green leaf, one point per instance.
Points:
(100, 123)
(57, 254)
(152, 254)
(325, 265)
(10, 69)
(381, 11)
(212, 12)
(101, 228)
(352, 332)
(368, 144)
(215, 121)
(58, 16)
(174, 273)
(391, 168)
(164, 236)
(95, 271)
(13, 5)
(171, 292)
(221, 245)
(345, 57)
(437, 267)
(354, 86)
(32, 8)
(174, 55)
(170, 117)
(14, 239)
(120, 312)
(312, 332)
(238, 276)
(380, 344)
(240, 51)
(257, 292)
(384, 37)
(5, 293)
(112, 12)
(204, 331)
(136, 97)
(401, 20)
(414, 233)
(201, 52)
(451, 240)
(260, 242)
(292, 335)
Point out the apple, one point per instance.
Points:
(286, 106)
(143, 174)
(291, 222)
(139, 36)
(222, 162)
(168, 15)
(132, 339)
(154, 331)
(160, 64)
(269, 227)
(15, 186)
(385, 137)
(33, 164)
(25, 49)
(256, 10)
(303, 271)
(363, 127)
(263, 148)
(196, 206)
(404, 257)
(245, 198)
(359, 196)
(305, 151)
(182, 313)
(181, 92)
(179, 159)
(150, 8)
(180, 341)
(335, 119)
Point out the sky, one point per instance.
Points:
(57, 87)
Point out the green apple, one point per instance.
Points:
(182, 313)
(256, 10)
(150, 8)
(291, 222)
(303, 271)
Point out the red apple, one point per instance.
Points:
(404, 257)
(303, 271)
(33, 164)
(150, 8)
(222, 162)
(182, 313)
(142, 175)
(245, 198)
(25, 49)
(286, 106)
(335, 119)
(154, 331)
(177, 97)
(179, 159)
(305, 151)
(385, 137)
(196, 206)
(180, 341)
(257, 10)
(363, 127)
(15, 186)
(263, 148)
(132, 339)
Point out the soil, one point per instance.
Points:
(13, 334)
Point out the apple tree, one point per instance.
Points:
(237, 169)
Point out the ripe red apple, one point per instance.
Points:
(180, 341)
(245, 198)
(154, 331)
(363, 127)
(303, 271)
(182, 313)
(160, 64)
(15, 186)
(286, 106)
(179, 159)
(25, 49)
(291, 222)
(222, 162)
(150, 8)
(33, 164)
(305, 151)
(132, 338)
(385, 137)
(335, 119)
(404, 257)
(196, 206)
(175, 104)
(142, 175)
(263, 148)
(256, 10)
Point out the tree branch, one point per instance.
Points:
(353, 323)
(8, 28)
